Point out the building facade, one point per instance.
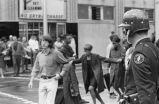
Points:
(97, 18)
(90, 21)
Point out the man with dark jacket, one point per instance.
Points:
(17, 53)
(92, 72)
(70, 76)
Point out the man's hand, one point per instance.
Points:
(57, 77)
(70, 62)
(30, 85)
(119, 60)
(71, 58)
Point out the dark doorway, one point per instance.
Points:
(9, 28)
(72, 28)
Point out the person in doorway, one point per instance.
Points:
(59, 43)
(10, 41)
(34, 46)
(47, 67)
(73, 45)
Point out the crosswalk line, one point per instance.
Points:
(25, 101)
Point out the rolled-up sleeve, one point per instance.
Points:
(36, 67)
(60, 58)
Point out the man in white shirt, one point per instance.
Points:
(34, 46)
(73, 45)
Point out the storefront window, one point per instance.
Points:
(61, 29)
(83, 12)
(32, 30)
(96, 13)
(108, 13)
(36, 28)
(22, 29)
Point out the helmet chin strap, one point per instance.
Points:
(127, 36)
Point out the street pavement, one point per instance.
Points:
(14, 90)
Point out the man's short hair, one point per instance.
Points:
(88, 47)
(115, 38)
(65, 36)
(48, 39)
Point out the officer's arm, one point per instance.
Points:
(142, 76)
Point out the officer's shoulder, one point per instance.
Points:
(142, 48)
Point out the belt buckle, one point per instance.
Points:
(44, 77)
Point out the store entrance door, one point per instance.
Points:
(72, 28)
(9, 28)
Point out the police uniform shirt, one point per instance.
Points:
(143, 64)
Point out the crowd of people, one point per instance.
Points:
(17, 53)
(132, 65)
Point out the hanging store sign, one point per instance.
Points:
(32, 9)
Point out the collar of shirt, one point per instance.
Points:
(46, 52)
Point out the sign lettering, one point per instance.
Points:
(32, 9)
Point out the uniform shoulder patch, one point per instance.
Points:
(139, 58)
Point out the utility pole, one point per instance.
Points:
(45, 25)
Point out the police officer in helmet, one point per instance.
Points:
(141, 77)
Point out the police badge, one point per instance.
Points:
(139, 58)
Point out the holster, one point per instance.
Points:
(131, 99)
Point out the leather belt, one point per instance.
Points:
(47, 77)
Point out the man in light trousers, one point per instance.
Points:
(47, 67)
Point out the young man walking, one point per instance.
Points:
(47, 67)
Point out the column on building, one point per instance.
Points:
(119, 11)
(71, 11)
